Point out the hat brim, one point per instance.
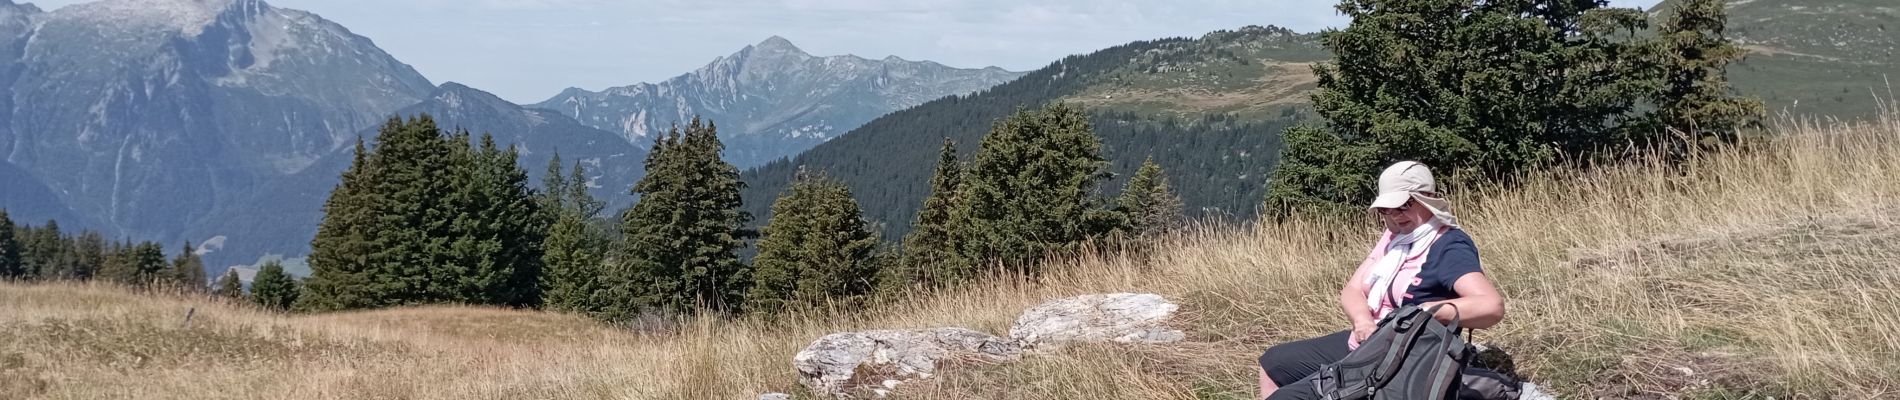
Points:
(1390, 200)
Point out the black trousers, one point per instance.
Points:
(1293, 365)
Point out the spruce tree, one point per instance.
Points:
(1032, 189)
(42, 249)
(1696, 101)
(1475, 89)
(929, 254)
(498, 230)
(274, 289)
(816, 249)
(138, 265)
(1152, 209)
(678, 251)
(187, 270)
(11, 267)
(574, 248)
(340, 255)
(229, 286)
(88, 255)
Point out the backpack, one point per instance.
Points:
(1411, 357)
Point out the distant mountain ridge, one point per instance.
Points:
(773, 100)
(151, 116)
(1146, 99)
(227, 121)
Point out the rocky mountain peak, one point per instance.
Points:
(186, 16)
(778, 44)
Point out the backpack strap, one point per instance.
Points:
(1411, 324)
(1406, 323)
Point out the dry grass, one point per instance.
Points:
(1768, 271)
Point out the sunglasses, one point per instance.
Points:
(1393, 212)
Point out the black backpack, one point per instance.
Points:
(1411, 357)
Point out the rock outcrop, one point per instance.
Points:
(852, 363)
(1119, 317)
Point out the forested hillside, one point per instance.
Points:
(1217, 160)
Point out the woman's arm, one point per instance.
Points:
(1479, 304)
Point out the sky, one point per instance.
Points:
(527, 51)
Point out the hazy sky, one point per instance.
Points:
(528, 50)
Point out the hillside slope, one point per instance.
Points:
(1218, 161)
(1762, 273)
(1817, 57)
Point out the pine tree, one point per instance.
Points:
(678, 250)
(11, 266)
(498, 230)
(1152, 209)
(85, 257)
(229, 286)
(1032, 189)
(138, 265)
(274, 289)
(187, 270)
(42, 249)
(425, 218)
(574, 247)
(929, 255)
(1696, 100)
(816, 249)
(340, 254)
(1475, 89)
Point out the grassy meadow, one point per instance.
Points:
(1770, 270)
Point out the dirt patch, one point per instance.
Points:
(1776, 51)
(1282, 84)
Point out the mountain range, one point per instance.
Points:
(1210, 109)
(774, 99)
(227, 121)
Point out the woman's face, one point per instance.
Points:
(1405, 218)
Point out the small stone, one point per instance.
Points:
(775, 396)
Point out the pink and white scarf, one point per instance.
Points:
(1404, 255)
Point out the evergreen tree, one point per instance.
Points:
(1032, 189)
(187, 270)
(88, 255)
(11, 266)
(425, 218)
(274, 289)
(678, 250)
(929, 255)
(498, 230)
(42, 249)
(137, 265)
(229, 286)
(574, 247)
(816, 249)
(340, 255)
(1151, 207)
(1696, 101)
(1474, 89)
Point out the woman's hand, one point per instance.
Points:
(1361, 331)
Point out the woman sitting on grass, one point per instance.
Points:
(1423, 259)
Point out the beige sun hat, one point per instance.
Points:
(1411, 180)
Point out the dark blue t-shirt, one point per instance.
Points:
(1452, 256)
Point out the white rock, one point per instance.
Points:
(1529, 391)
(833, 363)
(1119, 317)
(775, 396)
